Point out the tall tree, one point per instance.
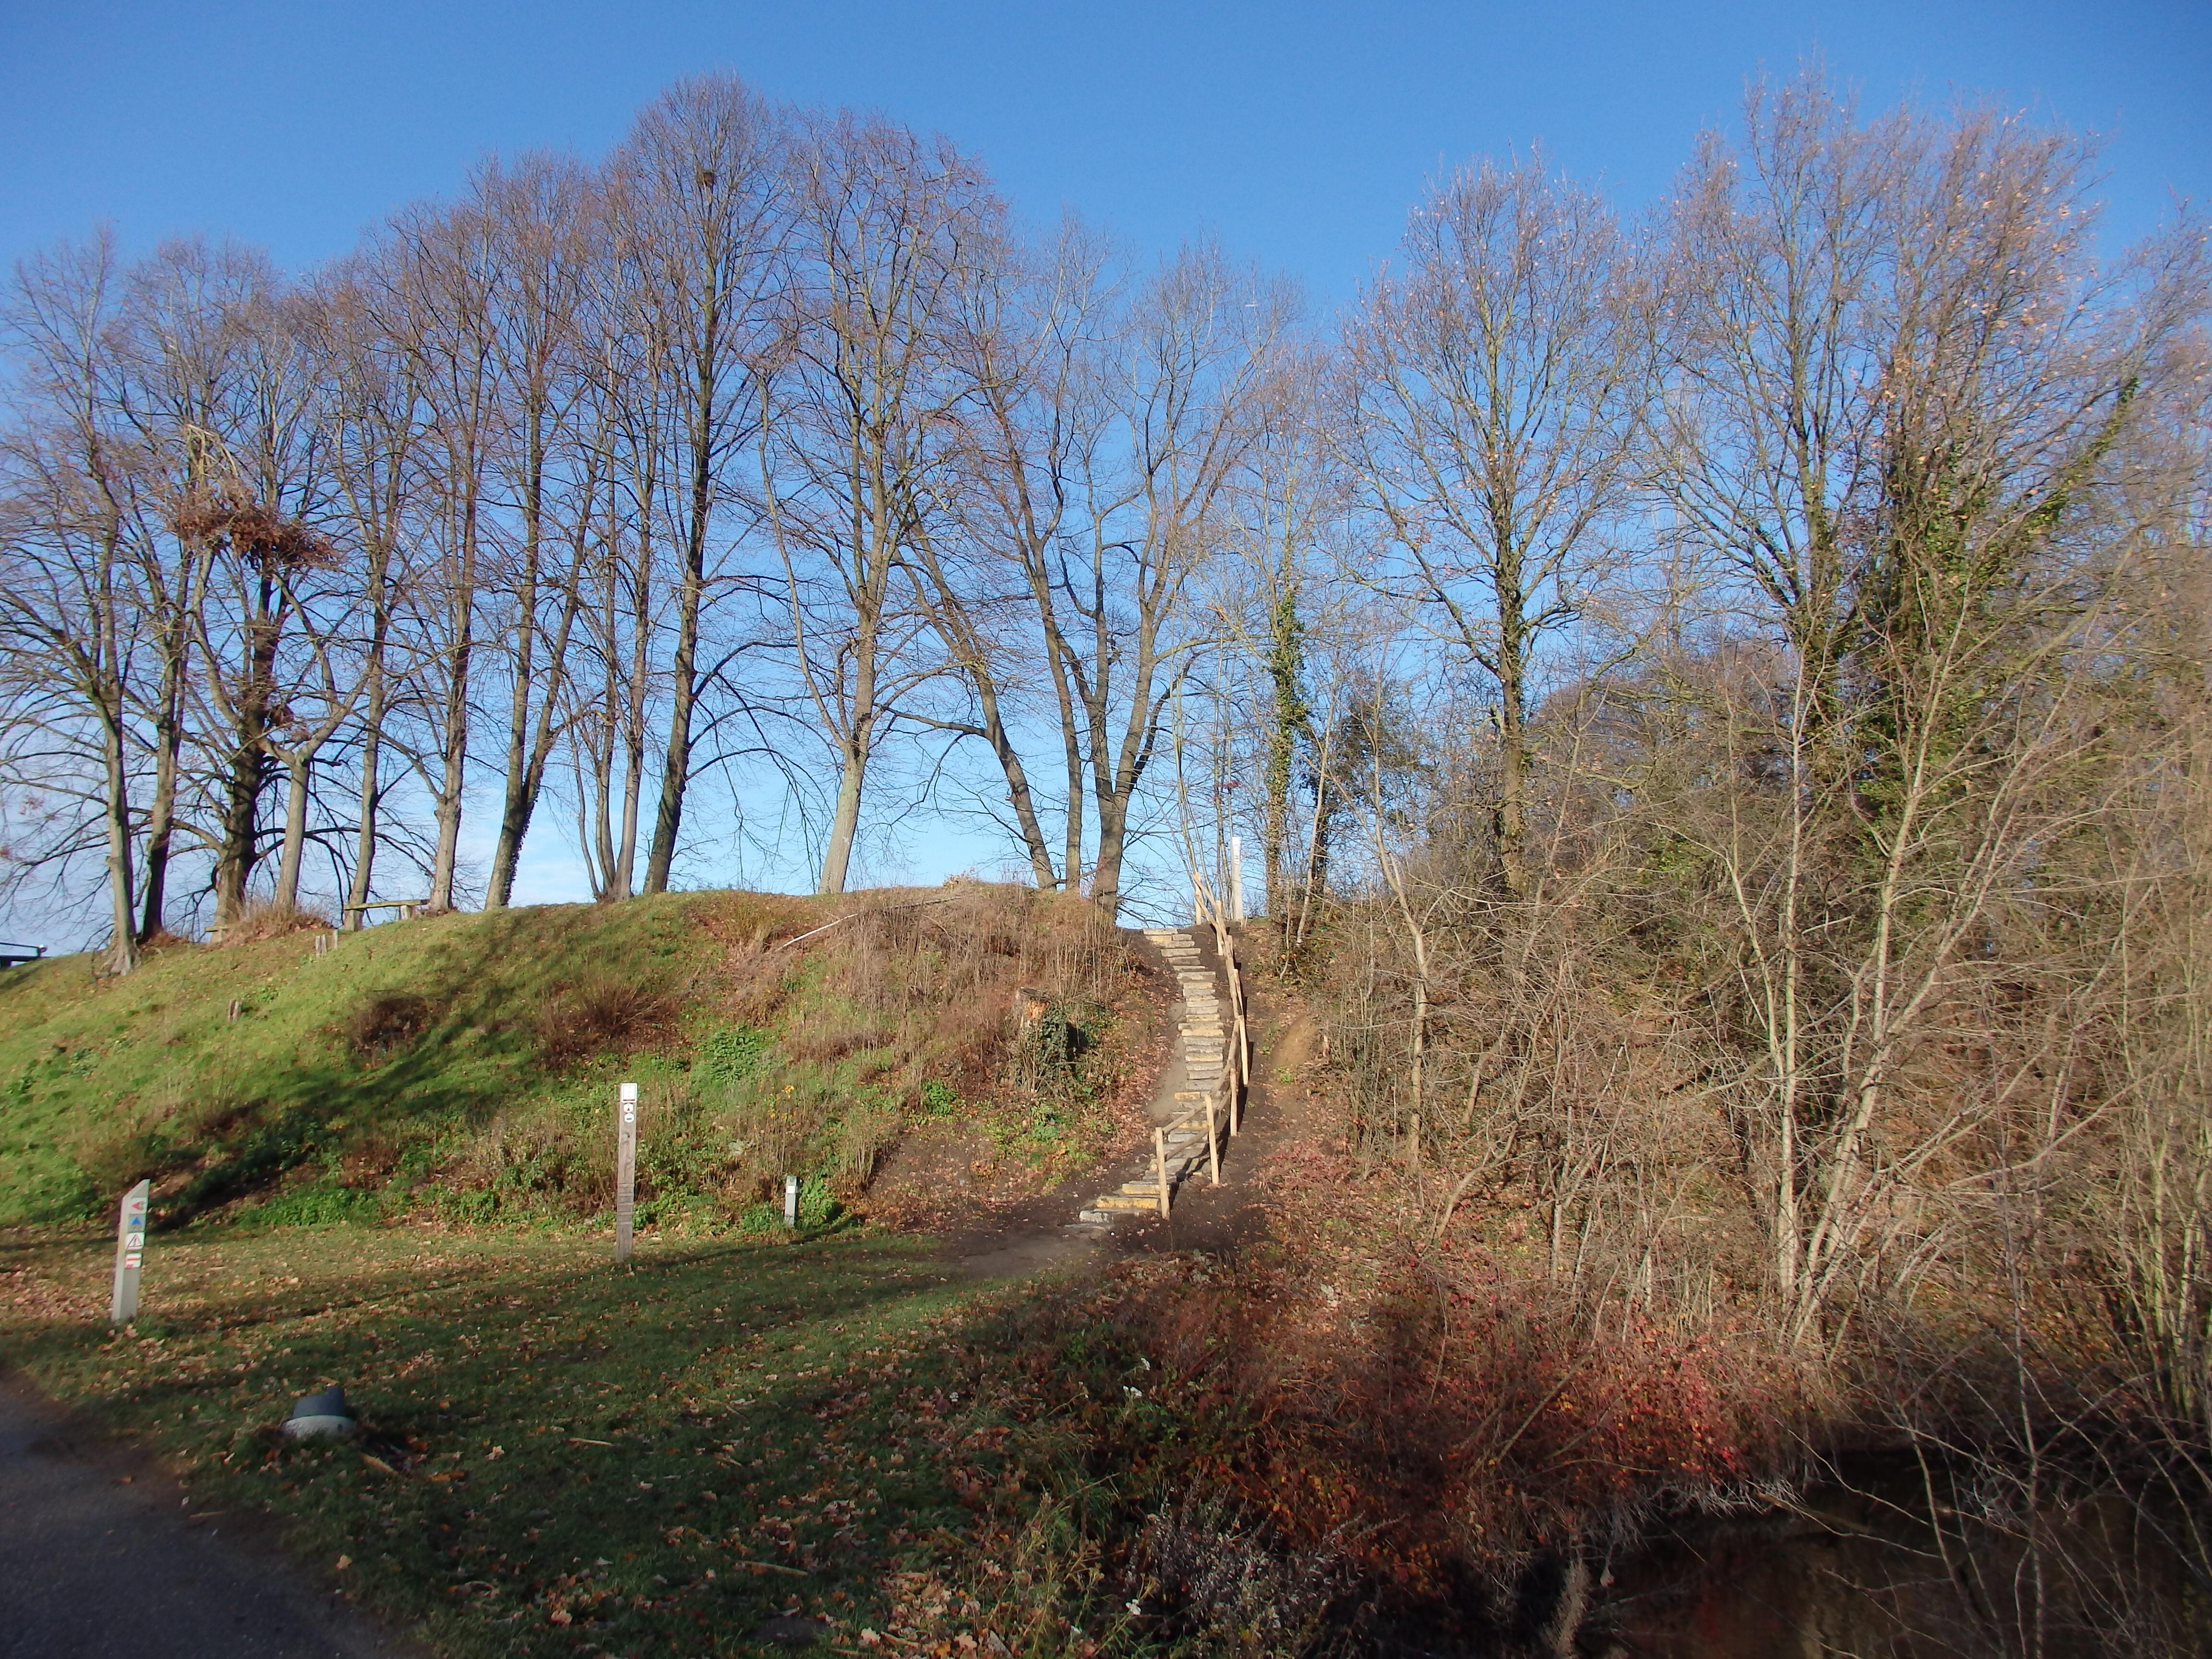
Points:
(1492, 394)
(862, 423)
(697, 197)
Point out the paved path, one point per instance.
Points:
(99, 1557)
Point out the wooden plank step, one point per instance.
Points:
(1125, 1203)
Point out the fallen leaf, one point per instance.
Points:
(376, 1462)
(343, 1562)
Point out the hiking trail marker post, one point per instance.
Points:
(791, 1202)
(129, 1251)
(625, 1169)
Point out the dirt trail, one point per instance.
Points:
(102, 1553)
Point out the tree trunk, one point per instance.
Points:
(675, 762)
(1287, 722)
(361, 884)
(1509, 823)
(859, 741)
(235, 851)
(161, 817)
(449, 780)
(296, 769)
(123, 950)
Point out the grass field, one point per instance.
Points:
(562, 1456)
(464, 1064)
(386, 1163)
(226, 1067)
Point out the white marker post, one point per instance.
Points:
(129, 1251)
(625, 1171)
(1236, 879)
(791, 1202)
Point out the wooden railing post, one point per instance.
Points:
(1160, 1164)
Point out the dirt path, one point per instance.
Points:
(100, 1553)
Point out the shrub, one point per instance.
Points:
(382, 1024)
(601, 1012)
(265, 919)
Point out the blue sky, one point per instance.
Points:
(1298, 133)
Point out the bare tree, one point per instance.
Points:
(546, 215)
(69, 599)
(697, 199)
(863, 422)
(1188, 384)
(1491, 400)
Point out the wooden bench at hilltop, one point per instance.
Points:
(407, 907)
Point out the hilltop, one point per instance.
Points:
(464, 1065)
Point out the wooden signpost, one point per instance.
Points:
(625, 1170)
(129, 1251)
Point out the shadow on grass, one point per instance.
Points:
(658, 1453)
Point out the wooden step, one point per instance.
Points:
(1125, 1204)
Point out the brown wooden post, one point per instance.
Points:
(1213, 1142)
(1160, 1164)
(625, 1169)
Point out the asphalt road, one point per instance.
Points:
(100, 1558)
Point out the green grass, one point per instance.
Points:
(392, 1169)
(465, 1064)
(560, 1454)
(101, 1081)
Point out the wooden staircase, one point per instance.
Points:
(1215, 1049)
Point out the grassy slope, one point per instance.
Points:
(99, 1081)
(810, 1423)
(489, 1094)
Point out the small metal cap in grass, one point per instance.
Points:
(321, 1416)
(789, 1630)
